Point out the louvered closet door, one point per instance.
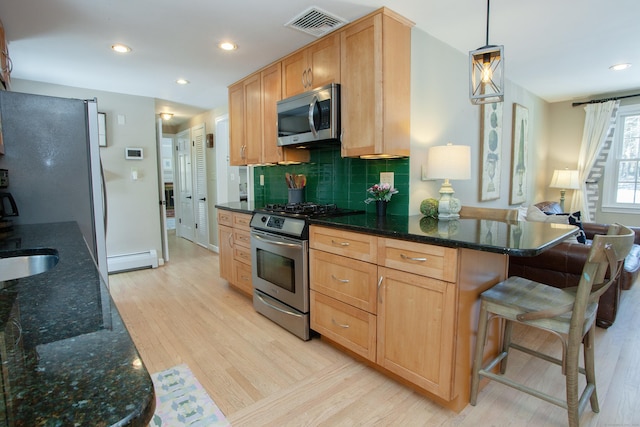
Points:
(200, 186)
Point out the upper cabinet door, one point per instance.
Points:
(375, 89)
(236, 125)
(271, 94)
(314, 66)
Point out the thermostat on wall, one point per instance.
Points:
(132, 153)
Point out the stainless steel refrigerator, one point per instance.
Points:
(52, 153)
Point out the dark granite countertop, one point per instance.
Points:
(242, 207)
(512, 238)
(67, 357)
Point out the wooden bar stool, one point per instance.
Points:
(567, 313)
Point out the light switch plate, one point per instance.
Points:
(386, 177)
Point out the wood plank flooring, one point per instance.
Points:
(260, 375)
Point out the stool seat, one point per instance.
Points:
(516, 296)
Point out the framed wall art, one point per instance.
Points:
(490, 150)
(520, 142)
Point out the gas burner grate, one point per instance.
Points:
(307, 208)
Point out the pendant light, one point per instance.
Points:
(486, 67)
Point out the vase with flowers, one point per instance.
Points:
(381, 194)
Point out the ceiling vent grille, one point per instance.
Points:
(316, 22)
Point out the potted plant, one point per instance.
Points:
(381, 194)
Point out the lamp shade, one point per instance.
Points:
(449, 162)
(565, 179)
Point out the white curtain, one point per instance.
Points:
(599, 120)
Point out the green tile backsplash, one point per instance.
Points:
(333, 179)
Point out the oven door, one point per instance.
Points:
(280, 268)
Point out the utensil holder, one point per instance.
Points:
(296, 195)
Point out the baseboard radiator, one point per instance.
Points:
(133, 261)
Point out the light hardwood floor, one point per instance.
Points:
(260, 375)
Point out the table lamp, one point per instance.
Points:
(564, 179)
(449, 162)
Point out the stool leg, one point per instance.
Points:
(573, 396)
(506, 343)
(589, 366)
(477, 361)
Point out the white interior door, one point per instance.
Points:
(185, 224)
(200, 186)
(163, 200)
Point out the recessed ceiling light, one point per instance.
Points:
(121, 48)
(620, 67)
(166, 116)
(182, 81)
(227, 46)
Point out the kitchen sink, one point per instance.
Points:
(27, 262)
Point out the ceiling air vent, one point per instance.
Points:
(316, 22)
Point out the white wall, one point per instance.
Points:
(441, 112)
(133, 214)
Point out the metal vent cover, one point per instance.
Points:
(315, 21)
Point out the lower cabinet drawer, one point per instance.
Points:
(348, 326)
(242, 254)
(242, 277)
(345, 279)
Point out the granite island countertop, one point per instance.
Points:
(517, 238)
(70, 359)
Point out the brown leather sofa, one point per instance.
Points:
(561, 266)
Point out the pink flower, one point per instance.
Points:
(381, 191)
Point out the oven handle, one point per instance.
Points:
(265, 302)
(275, 242)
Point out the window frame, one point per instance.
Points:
(610, 183)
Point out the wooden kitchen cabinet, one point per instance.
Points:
(408, 308)
(375, 86)
(416, 316)
(271, 79)
(225, 242)
(314, 66)
(245, 121)
(235, 249)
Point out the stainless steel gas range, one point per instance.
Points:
(280, 261)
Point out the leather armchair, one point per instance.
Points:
(561, 266)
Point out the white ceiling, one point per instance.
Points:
(558, 49)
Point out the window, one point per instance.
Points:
(622, 179)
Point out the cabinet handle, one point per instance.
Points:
(339, 324)
(339, 243)
(380, 293)
(310, 77)
(339, 280)
(242, 151)
(403, 256)
(304, 79)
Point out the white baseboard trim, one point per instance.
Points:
(133, 261)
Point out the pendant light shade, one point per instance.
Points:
(486, 68)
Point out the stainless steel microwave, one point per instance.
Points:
(310, 118)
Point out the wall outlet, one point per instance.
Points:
(386, 177)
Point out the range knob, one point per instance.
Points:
(263, 218)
